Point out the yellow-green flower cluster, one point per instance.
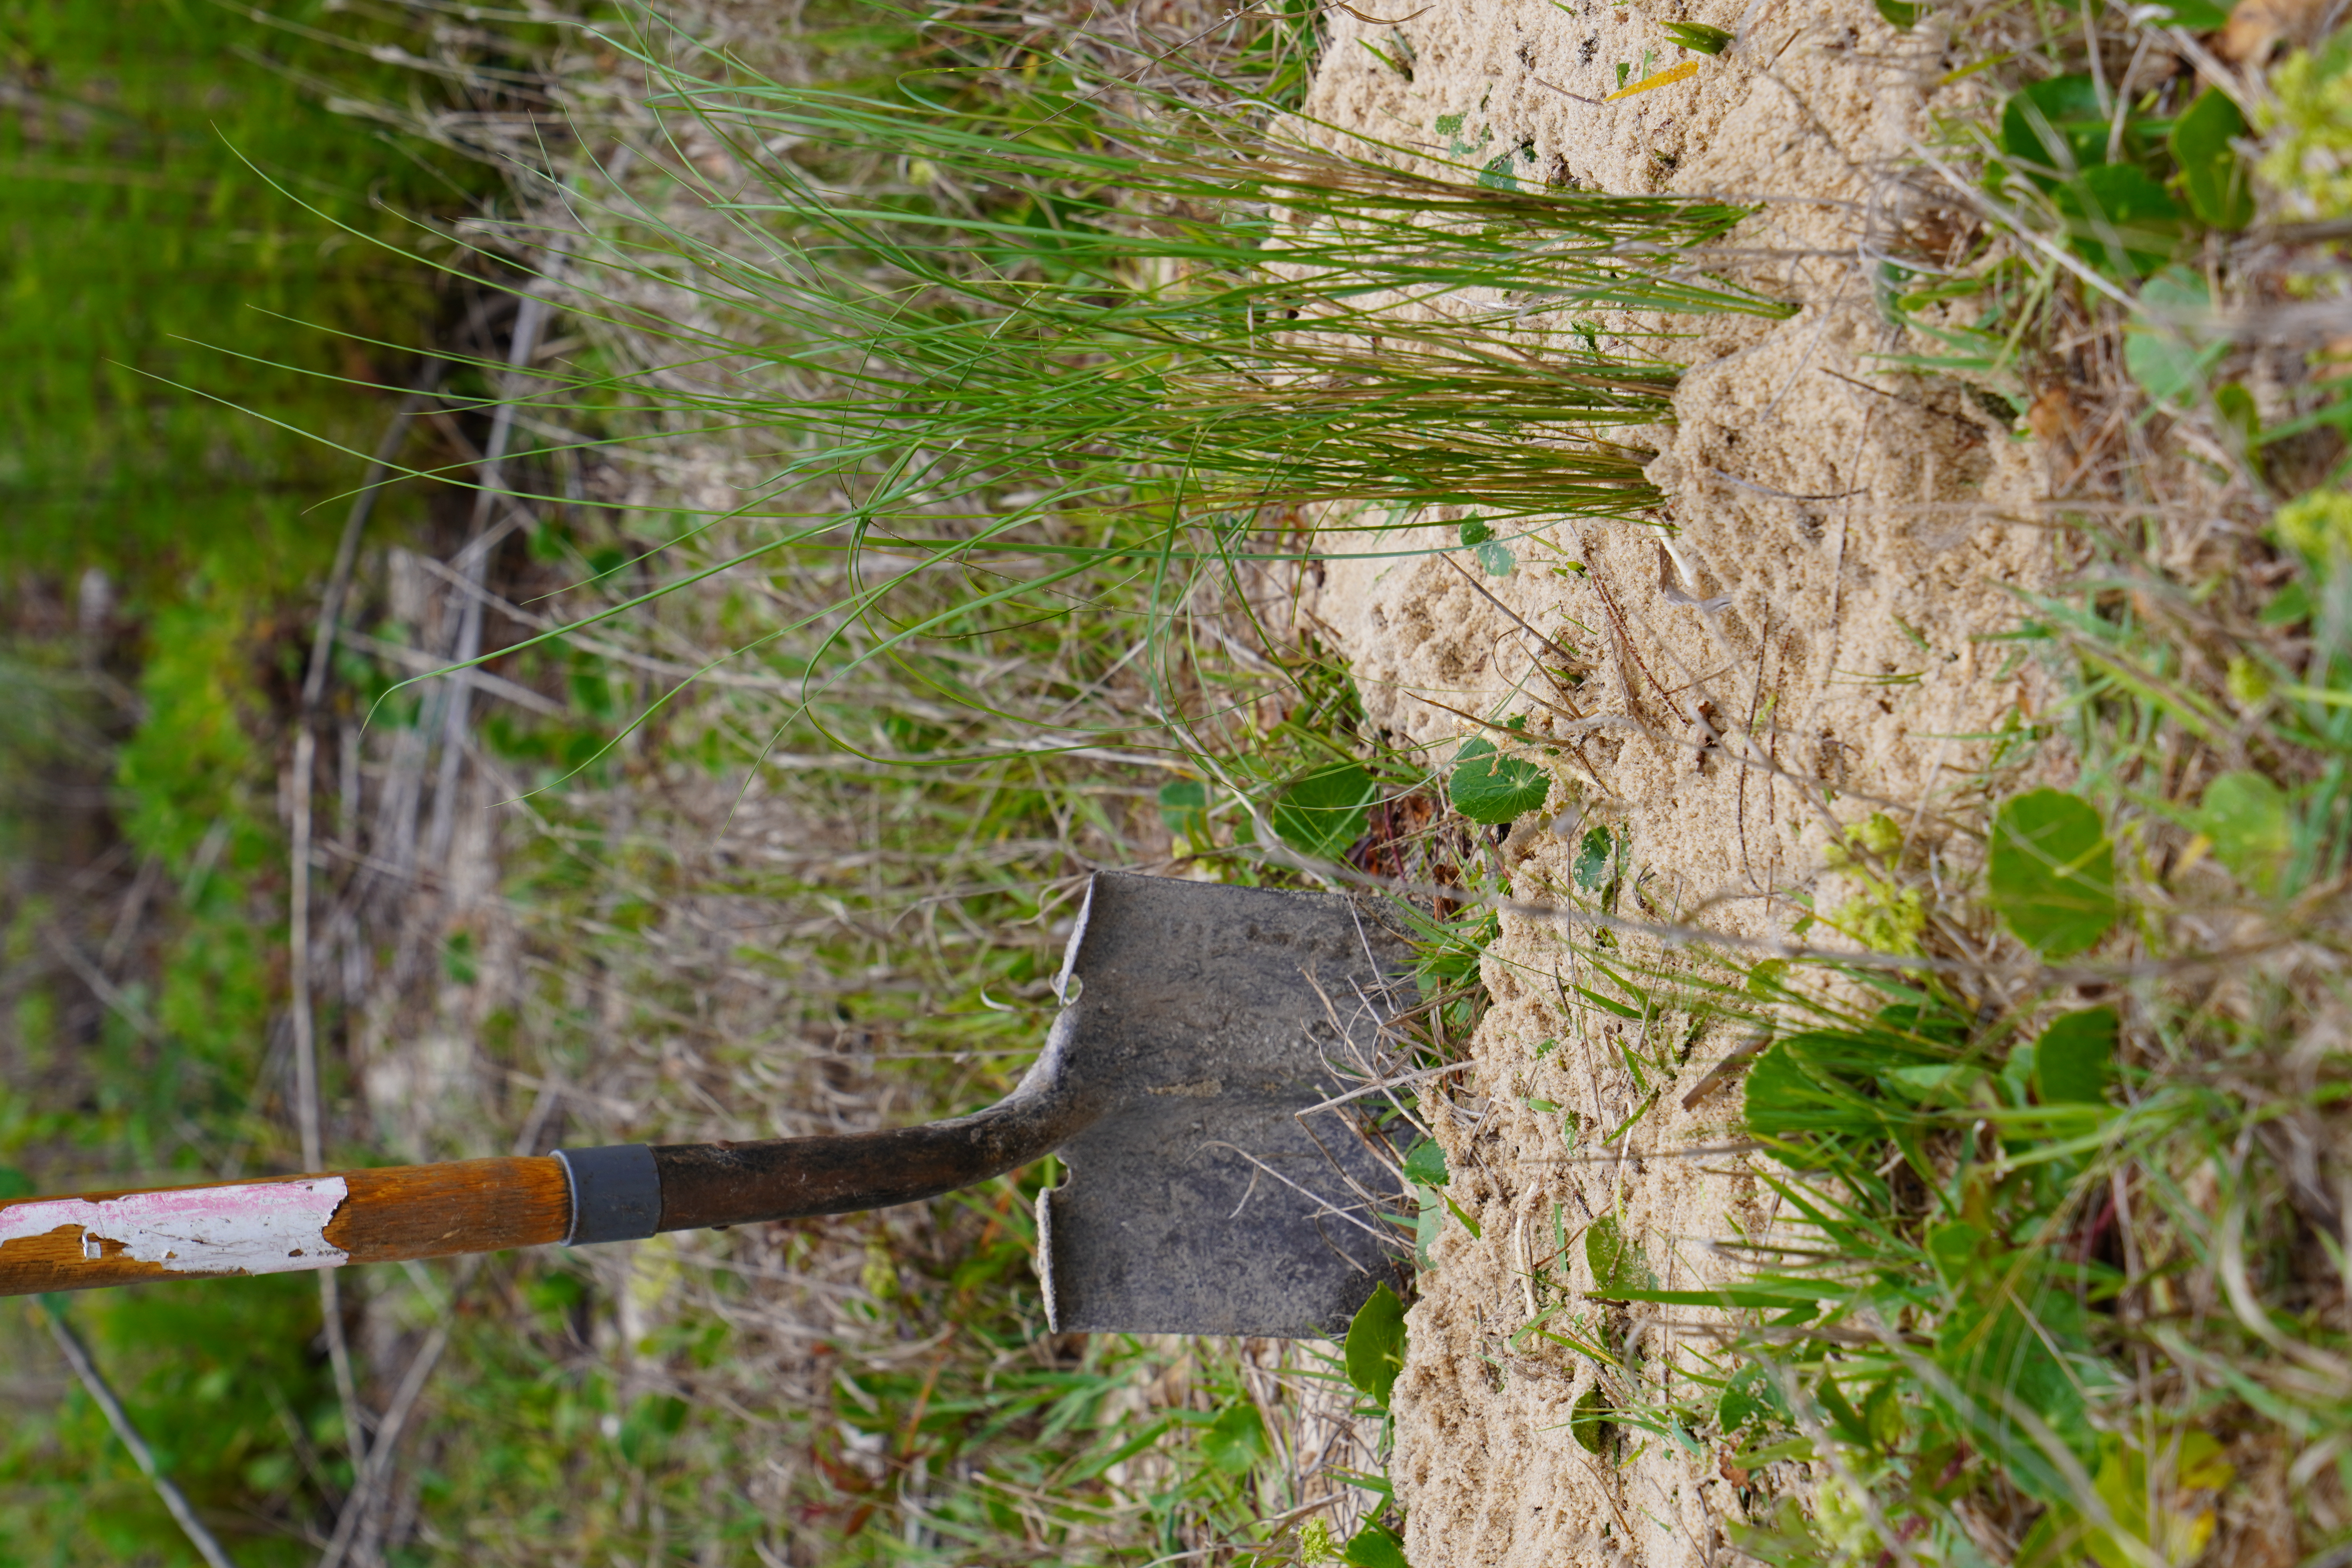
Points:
(2309, 126)
(2317, 527)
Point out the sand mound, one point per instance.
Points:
(1791, 645)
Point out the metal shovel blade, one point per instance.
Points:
(1211, 1017)
(1212, 1190)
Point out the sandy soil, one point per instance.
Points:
(1785, 648)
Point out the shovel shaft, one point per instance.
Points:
(618, 1194)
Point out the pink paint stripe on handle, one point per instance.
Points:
(257, 1228)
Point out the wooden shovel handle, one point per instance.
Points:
(281, 1224)
(579, 1196)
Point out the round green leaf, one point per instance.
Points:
(1594, 858)
(1488, 787)
(2236, 406)
(2213, 175)
(2119, 220)
(1426, 1165)
(2052, 878)
(1374, 1546)
(2169, 365)
(1375, 1349)
(2074, 1056)
(1184, 795)
(1325, 812)
(1236, 1439)
(1955, 1248)
(1616, 1259)
(1588, 1421)
(1750, 1396)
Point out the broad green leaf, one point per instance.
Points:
(1497, 172)
(2291, 605)
(1236, 1439)
(1903, 13)
(2236, 406)
(2188, 1469)
(1325, 812)
(2025, 1342)
(1955, 1247)
(1939, 1084)
(2169, 366)
(2119, 220)
(1183, 803)
(1374, 1546)
(1184, 795)
(2213, 175)
(2247, 817)
(1845, 1423)
(1184, 808)
(2199, 15)
(1488, 787)
(1595, 859)
(1427, 1163)
(1427, 1224)
(651, 1422)
(2075, 1058)
(1819, 1084)
(1749, 1396)
(1494, 556)
(2051, 877)
(1616, 1259)
(1375, 1348)
(1588, 1421)
(2057, 125)
(15, 1184)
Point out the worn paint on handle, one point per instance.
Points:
(261, 1227)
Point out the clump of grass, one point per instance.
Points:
(1028, 337)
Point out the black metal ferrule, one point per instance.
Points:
(615, 1193)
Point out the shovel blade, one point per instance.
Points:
(1209, 1205)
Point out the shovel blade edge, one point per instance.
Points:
(1215, 1016)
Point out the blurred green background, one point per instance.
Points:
(200, 257)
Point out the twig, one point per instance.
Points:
(473, 563)
(1557, 652)
(307, 1108)
(1785, 495)
(360, 1507)
(347, 549)
(1720, 1073)
(1564, 92)
(1386, 1084)
(77, 1356)
(114, 996)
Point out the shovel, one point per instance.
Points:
(1213, 1188)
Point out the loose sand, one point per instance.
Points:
(1862, 527)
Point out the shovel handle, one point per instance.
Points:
(280, 1225)
(575, 1196)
